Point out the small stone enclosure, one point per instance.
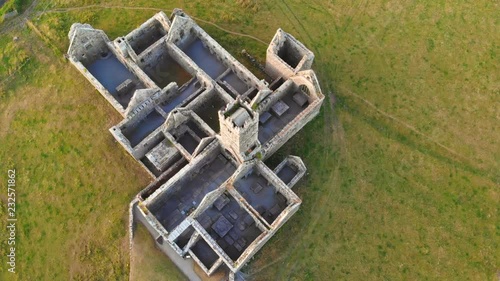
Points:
(201, 124)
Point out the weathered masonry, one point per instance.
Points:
(201, 124)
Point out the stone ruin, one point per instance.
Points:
(202, 124)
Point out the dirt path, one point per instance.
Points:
(18, 20)
(62, 10)
(404, 124)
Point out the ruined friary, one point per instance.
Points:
(202, 124)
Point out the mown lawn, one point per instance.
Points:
(403, 159)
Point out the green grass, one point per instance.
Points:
(12, 5)
(12, 57)
(402, 169)
(149, 263)
(6, 8)
(71, 188)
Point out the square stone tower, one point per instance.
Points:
(239, 126)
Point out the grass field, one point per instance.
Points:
(403, 161)
(151, 263)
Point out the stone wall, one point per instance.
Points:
(286, 59)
